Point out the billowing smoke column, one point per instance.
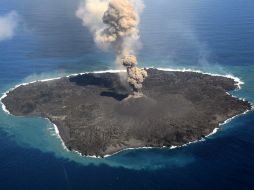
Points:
(136, 75)
(114, 24)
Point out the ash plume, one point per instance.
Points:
(114, 25)
(136, 76)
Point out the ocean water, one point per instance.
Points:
(209, 35)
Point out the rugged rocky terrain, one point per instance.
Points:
(95, 117)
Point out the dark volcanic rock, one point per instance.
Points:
(95, 118)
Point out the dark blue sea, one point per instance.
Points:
(215, 36)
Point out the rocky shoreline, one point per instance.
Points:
(94, 117)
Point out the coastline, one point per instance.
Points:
(237, 80)
(184, 145)
(57, 134)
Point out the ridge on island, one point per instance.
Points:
(94, 117)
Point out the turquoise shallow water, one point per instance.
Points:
(211, 36)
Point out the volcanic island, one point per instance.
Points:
(96, 116)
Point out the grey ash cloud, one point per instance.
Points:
(115, 26)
